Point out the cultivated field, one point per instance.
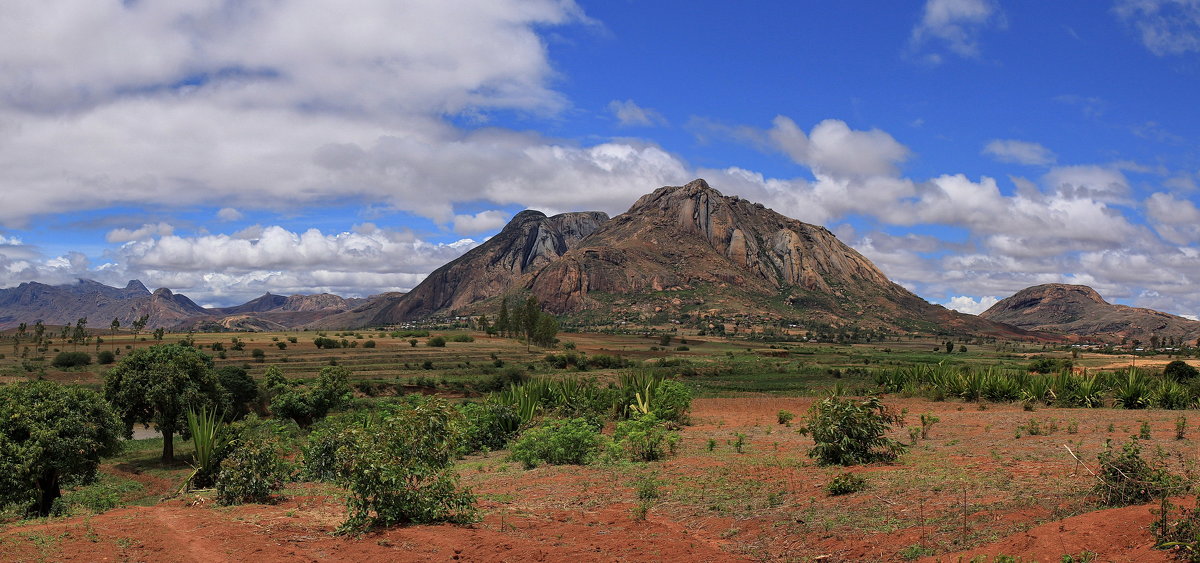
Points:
(979, 481)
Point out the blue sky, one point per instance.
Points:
(970, 148)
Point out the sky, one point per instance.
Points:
(970, 148)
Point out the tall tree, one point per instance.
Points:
(50, 433)
(502, 319)
(157, 385)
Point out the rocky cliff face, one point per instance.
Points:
(690, 248)
(1078, 310)
(529, 242)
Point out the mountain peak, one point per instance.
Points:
(1081, 311)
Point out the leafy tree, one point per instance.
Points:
(308, 404)
(157, 385)
(502, 319)
(49, 434)
(482, 322)
(158, 334)
(1180, 371)
(140, 324)
(243, 391)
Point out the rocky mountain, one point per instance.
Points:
(1078, 310)
(65, 304)
(691, 251)
(530, 242)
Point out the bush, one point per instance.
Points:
(489, 426)
(645, 438)
(1051, 365)
(850, 432)
(785, 417)
(65, 360)
(259, 355)
(671, 401)
(572, 441)
(436, 342)
(1126, 478)
(845, 484)
(462, 338)
(369, 344)
(253, 471)
(106, 357)
(398, 466)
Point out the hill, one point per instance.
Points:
(1078, 310)
(528, 243)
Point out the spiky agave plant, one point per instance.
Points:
(208, 438)
(1132, 391)
(1172, 395)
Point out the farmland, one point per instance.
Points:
(1010, 478)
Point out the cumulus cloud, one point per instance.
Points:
(954, 25)
(480, 222)
(833, 148)
(970, 306)
(1165, 27)
(145, 231)
(1020, 152)
(629, 114)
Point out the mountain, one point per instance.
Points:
(531, 241)
(691, 251)
(99, 303)
(1078, 310)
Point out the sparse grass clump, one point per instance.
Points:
(845, 484)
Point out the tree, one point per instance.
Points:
(483, 323)
(157, 385)
(140, 324)
(115, 325)
(50, 433)
(502, 319)
(308, 404)
(243, 391)
(79, 335)
(1180, 371)
(158, 334)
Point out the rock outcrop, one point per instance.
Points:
(529, 242)
(1079, 311)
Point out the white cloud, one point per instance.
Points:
(629, 114)
(954, 25)
(1020, 152)
(229, 214)
(833, 148)
(145, 231)
(480, 222)
(1166, 27)
(964, 304)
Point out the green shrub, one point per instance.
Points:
(398, 466)
(489, 426)
(572, 441)
(242, 389)
(436, 342)
(253, 471)
(645, 438)
(785, 417)
(845, 484)
(105, 357)
(1126, 478)
(462, 338)
(369, 344)
(64, 360)
(851, 432)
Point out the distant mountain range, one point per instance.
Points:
(679, 254)
(100, 304)
(1078, 310)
